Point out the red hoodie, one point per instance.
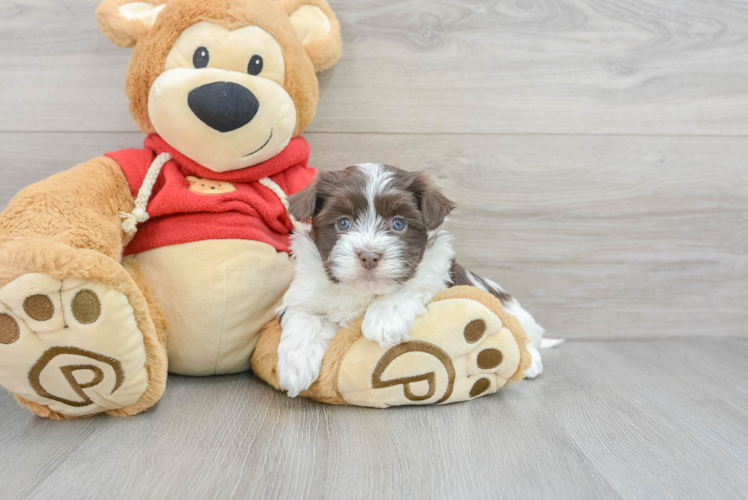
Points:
(182, 211)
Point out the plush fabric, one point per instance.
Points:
(62, 262)
(52, 365)
(250, 117)
(227, 290)
(120, 30)
(310, 24)
(79, 207)
(152, 46)
(324, 52)
(444, 362)
(179, 214)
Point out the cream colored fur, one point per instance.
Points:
(216, 296)
(269, 131)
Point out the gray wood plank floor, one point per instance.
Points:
(597, 152)
(610, 419)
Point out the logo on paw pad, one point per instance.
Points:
(430, 377)
(458, 351)
(71, 345)
(487, 359)
(68, 372)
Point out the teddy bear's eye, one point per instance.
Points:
(255, 65)
(200, 58)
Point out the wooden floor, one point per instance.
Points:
(609, 419)
(598, 152)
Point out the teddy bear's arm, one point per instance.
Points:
(79, 207)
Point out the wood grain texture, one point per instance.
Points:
(658, 419)
(460, 66)
(633, 420)
(600, 237)
(597, 153)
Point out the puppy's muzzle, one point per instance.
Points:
(223, 106)
(369, 260)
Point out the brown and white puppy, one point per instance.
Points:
(375, 248)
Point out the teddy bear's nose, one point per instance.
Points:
(223, 106)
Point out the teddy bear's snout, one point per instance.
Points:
(223, 106)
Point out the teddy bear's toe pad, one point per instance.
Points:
(71, 345)
(458, 350)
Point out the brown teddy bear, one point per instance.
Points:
(174, 257)
(96, 261)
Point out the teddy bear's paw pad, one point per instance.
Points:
(459, 350)
(72, 345)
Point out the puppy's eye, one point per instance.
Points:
(200, 58)
(344, 224)
(398, 224)
(255, 65)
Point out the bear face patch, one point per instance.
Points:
(209, 186)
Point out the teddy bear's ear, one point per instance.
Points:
(125, 21)
(317, 28)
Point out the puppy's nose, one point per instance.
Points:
(369, 259)
(223, 106)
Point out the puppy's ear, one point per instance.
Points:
(125, 21)
(434, 206)
(306, 203)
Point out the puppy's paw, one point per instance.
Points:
(301, 350)
(388, 323)
(299, 367)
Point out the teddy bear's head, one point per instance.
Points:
(227, 83)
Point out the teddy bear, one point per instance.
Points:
(174, 257)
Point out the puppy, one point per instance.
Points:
(375, 248)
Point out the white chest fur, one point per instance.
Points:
(343, 304)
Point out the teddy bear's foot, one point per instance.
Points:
(458, 350)
(71, 346)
